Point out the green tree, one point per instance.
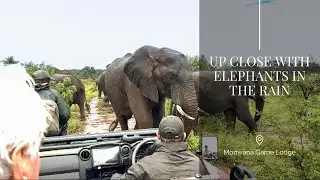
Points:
(65, 89)
(32, 67)
(9, 60)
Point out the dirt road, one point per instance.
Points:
(100, 118)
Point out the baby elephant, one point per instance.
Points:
(79, 97)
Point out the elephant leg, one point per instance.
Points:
(157, 113)
(80, 102)
(231, 118)
(105, 99)
(244, 115)
(81, 107)
(113, 125)
(140, 107)
(88, 107)
(99, 94)
(104, 93)
(123, 120)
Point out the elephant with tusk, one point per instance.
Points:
(215, 97)
(137, 84)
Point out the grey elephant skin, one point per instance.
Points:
(79, 97)
(137, 84)
(216, 97)
(101, 85)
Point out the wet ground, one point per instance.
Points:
(99, 120)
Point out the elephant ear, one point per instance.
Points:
(139, 71)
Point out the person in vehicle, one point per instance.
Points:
(171, 157)
(42, 79)
(22, 124)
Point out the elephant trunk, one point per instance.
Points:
(185, 97)
(259, 99)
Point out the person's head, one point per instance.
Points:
(22, 124)
(171, 129)
(41, 76)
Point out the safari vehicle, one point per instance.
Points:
(99, 156)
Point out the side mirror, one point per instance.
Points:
(209, 148)
(209, 151)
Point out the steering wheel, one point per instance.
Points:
(135, 152)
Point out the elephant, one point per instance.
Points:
(79, 97)
(216, 97)
(101, 85)
(138, 84)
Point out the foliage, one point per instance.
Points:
(32, 67)
(167, 106)
(9, 60)
(289, 123)
(65, 89)
(91, 89)
(75, 125)
(199, 63)
(85, 73)
(310, 86)
(305, 117)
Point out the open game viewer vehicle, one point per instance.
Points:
(99, 156)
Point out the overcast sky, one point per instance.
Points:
(77, 33)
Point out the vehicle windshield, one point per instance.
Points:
(242, 76)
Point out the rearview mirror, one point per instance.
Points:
(209, 147)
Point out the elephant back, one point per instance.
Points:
(74, 80)
(116, 68)
(101, 77)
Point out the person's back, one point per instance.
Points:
(171, 158)
(43, 88)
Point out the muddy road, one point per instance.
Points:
(101, 117)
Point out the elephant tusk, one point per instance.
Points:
(203, 112)
(179, 109)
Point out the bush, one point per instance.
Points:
(288, 123)
(65, 89)
(91, 89)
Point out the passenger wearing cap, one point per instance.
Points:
(42, 80)
(171, 158)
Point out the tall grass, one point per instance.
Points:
(281, 126)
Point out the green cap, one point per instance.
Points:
(171, 127)
(41, 74)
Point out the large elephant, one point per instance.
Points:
(137, 84)
(79, 97)
(101, 85)
(216, 97)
